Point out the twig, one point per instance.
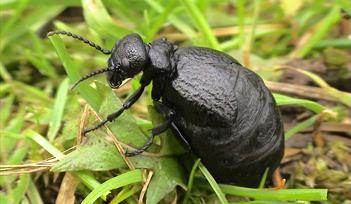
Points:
(115, 142)
(82, 123)
(222, 32)
(146, 184)
(299, 90)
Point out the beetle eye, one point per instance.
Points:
(125, 62)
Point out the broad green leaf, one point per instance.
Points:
(95, 153)
(286, 100)
(113, 183)
(86, 177)
(168, 174)
(124, 127)
(102, 154)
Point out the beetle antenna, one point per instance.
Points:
(96, 72)
(98, 47)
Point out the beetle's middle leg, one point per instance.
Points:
(127, 104)
(169, 113)
(155, 131)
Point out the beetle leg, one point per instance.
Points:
(169, 113)
(127, 104)
(155, 131)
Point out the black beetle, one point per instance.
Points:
(218, 109)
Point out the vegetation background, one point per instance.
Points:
(301, 48)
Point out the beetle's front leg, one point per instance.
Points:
(127, 104)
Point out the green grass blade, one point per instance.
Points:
(33, 20)
(338, 43)
(161, 19)
(177, 22)
(87, 92)
(124, 194)
(323, 29)
(6, 108)
(113, 183)
(17, 194)
(100, 20)
(190, 181)
(30, 134)
(84, 176)
(272, 194)
(6, 26)
(33, 194)
(342, 96)
(213, 184)
(300, 126)
(57, 110)
(286, 100)
(36, 55)
(201, 23)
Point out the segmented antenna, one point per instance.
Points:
(106, 52)
(96, 72)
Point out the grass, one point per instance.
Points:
(39, 116)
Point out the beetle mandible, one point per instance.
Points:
(217, 108)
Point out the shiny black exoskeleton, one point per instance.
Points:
(218, 109)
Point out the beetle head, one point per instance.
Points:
(128, 57)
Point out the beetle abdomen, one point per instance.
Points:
(227, 115)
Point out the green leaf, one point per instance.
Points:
(201, 23)
(113, 183)
(286, 100)
(57, 110)
(87, 92)
(32, 20)
(300, 126)
(177, 22)
(95, 153)
(343, 97)
(282, 194)
(98, 19)
(30, 94)
(6, 108)
(323, 29)
(102, 154)
(213, 184)
(124, 127)
(168, 175)
(17, 194)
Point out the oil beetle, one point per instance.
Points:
(217, 108)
